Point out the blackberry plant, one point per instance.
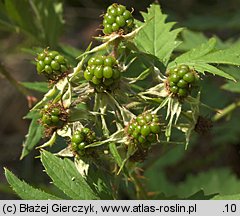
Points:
(120, 89)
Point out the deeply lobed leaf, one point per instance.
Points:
(156, 37)
(203, 56)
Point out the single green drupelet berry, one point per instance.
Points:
(144, 129)
(117, 19)
(102, 71)
(77, 138)
(180, 80)
(82, 138)
(52, 65)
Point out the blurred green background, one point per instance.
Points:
(211, 162)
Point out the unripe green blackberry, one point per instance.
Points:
(102, 71)
(144, 130)
(80, 139)
(180, 81)
(52, 65)
(117, 19)
(54, 116)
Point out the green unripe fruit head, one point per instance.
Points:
(180, 81)
(81, 138)
(142, 135)
(51, 64)
(117, 19)
(102, 71)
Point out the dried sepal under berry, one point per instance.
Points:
(52, 65)
(117, 19)
(102, 72)
(80, 139)
(203, 125)
(54, 117)
(180, 81)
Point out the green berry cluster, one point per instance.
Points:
(53, 116)
(117, 19)
(102, 71)
(82, 138)
(51, 64)
(180, 80)
(144, 129)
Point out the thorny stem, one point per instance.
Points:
(115, 48)
(227, 110)
(17, 85)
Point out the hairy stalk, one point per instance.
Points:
(227, 110)
(115, 48)
(141, 193)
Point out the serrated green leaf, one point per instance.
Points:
(201, 67)
(197, 52)
(221, 181)
(230, 56)
(26, 191)
(101, 181)
(200, 195)
(232, 87)
(191, 39)
(36, 86)
(35, 133)
(201, 58)
(156, 37)
(227, 197)
(66, 177)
